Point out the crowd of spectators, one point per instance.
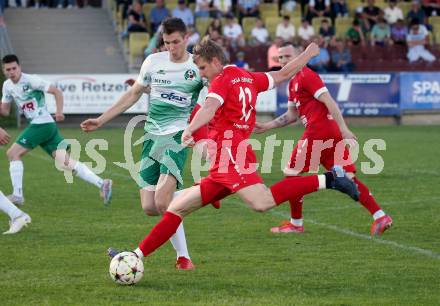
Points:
(46, 4)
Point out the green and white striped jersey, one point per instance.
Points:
(175, 88)
(28, 94)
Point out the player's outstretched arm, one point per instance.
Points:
(295, 65)
(124, 102)
(59, 101)
(290, 116)
(5, 109)
(4, 137)
(335, 112)
(203, 116)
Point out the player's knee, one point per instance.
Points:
(11, 154)
(149, 209)
(161, 203)
(259, 206)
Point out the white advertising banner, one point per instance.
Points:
(267, 101)
(92, 93)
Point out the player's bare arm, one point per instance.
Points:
(335, 112)
(59, 101)
(290, 116)
(128, 99)
(5, 109)
(4, 137)
(203, 116)
(290, 69)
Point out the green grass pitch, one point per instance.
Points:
(61, 258)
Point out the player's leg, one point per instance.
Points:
(381, 221)
(16, 170)
(181, 206)
(19, 219)
(64, 161)
(165, 189)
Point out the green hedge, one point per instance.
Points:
(9, 121)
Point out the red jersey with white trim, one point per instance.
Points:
(237, 90)
(304, 89)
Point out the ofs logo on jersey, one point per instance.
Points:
(190, 75)
(172, 97)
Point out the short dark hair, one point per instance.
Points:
(207, 49)
(10, 58)
(171, 25)
(287, 44)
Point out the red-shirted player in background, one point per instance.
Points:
(231, 99)
(310, 101)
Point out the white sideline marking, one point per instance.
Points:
(334, 228)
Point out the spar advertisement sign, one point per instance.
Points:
(420, 91)
(92, 93)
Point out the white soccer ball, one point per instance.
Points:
(126, 268)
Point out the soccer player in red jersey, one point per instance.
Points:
(322, 141)
(231, 100)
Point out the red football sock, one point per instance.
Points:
(294, 187)
(160, 233)
(296, 207)
(366, 198)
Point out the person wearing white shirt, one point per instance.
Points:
(285, 29)
(393, 13)
(259, 34)
(233, 32)
(306, 31)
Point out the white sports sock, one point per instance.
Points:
(16, 171)
(297, 222)
(7, 207)
(378, 214)
(178, 241)
(86, 174)
(321, 181)
(139, 253)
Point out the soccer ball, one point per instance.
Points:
(126, 268)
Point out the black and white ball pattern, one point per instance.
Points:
(126, 268)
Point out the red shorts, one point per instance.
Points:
(227, 178)
(201, 133)
(321, 147)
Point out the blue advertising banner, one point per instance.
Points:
(358, 94)
(419, 90)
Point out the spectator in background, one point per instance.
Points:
(158, 14)
(193, 37)
(248, 8)
(398, 32)
(381, 33)
(416, 12)
(215, 25)
(240, 62)
(416, 41)
(221, 8)
(184, 13)
(355, 35)
(370, 14)
(320, 63)
(327, 32)
(318, 8)
(203, 8)
(217, 37)
(272, 54)
(259, 34)
(288, 5)
(341, 57)
(431, 7)
(392, 13)
(340, 8)
(233, 32)
(305, 31)
(285, 29)
(136, 20)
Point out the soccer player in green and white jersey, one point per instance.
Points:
(175, 84)
(27, 91)
(19, 219)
